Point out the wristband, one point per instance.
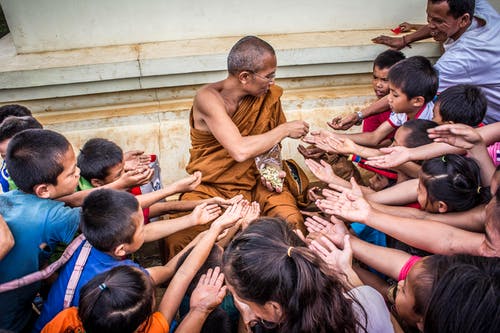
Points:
(360, 117)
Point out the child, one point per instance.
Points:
(287, 286)
(42, 172)
(381, 66)
(413, 84)
(462, 104)
(113, 225)
(8, 128)
(15, 110)
(109, 304)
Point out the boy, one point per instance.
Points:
(113, 224)
(42, 172)
(413, 83)
(8, 128)
(461, 104)
(381, 66)
(15, 110)
(101, 163)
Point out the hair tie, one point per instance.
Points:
(478, 189)
(289, 252)
(103, 286)
(443, 158)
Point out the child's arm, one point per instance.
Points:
(202, 214)
(207, 295)
(344, 145)
(399, 194)
(6, 238)
(427, 235)
(161, 208)
(185, 184)
(347, 121)
(365, 139)
(181, 280)
(466, 137)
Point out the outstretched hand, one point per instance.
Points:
(393, 157)
(323, 171)
(135, 159)
(343, 123)
(204, 213)
(250, 212)
(136, 177)
(457, 135)
(337, 258)
(189, 183)
(209, 292)
(228, 218)
(310, 152)
(396, 43)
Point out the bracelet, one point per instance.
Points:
(360, 117)
(405, 43)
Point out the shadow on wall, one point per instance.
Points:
(4, 28)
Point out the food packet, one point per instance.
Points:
(270, 167)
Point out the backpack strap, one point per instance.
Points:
(75, 275)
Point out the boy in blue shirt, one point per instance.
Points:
(43, 166)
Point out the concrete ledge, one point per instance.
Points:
(179, 63)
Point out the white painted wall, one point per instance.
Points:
(45, 25)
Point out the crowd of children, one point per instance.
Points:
(413, 249)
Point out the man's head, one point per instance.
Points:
(13, 125)
(42, 162)
(462, 104)
(381, 65)
(112, 222)
(253, 62)
(412, 82)
(100, 161)
(15, 110)
(449, 18)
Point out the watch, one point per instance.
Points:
(360, 117)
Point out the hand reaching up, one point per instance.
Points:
(135, 159)
(228, 218)
(136, 177)
(344, 122)
(188, 183)
(457, 135)
(310, 152)
(250, 212)
(209, 291)
(204, 213)
(393, 157)
(323, 171)
(226, 202)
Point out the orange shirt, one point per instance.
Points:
(68, 319)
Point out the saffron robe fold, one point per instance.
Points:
(225, 177)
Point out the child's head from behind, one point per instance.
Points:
(15, 110)
(465, 299)
(414, 293)
(100, 161)
(119, 300)
(462, 104)
(413, 82)
(42, 162)
(13, 125)
(491, 243)
(381, 65)
(112, 222)
(451, 183)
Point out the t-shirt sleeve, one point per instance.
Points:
(62, 223)
(394, 120)
(378, 319)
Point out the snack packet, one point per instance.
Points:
(270, 167)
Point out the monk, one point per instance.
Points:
(232, 122)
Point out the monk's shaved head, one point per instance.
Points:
(248, 54)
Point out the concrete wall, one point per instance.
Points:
(47, 25)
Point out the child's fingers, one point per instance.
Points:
(202, 279)
(330, 246)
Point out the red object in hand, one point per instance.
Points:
(396, 30)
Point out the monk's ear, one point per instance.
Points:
(244, 76)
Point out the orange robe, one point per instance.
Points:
(224, 177)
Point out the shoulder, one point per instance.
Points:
(377, 315)
(208, 95)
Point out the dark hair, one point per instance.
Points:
(418, 135)
(13, 125)
(415, 76)
(119, 300)
(35, 157)
(459, 7)
(15, 110)
(464, 104)
(388, 58)
(97, 156)
(107, 218)
(455, 180)
(257, 266)
(247, 54)
(473, 291)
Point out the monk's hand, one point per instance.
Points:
(296, 129)
(272, 178)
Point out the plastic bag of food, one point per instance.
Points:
(270, 167)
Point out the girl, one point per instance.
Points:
(287, 286)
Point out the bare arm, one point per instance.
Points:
(423, 32)
(6, 239)
(347, 121)
(211, 110)
(399, 194)
(369, 138)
